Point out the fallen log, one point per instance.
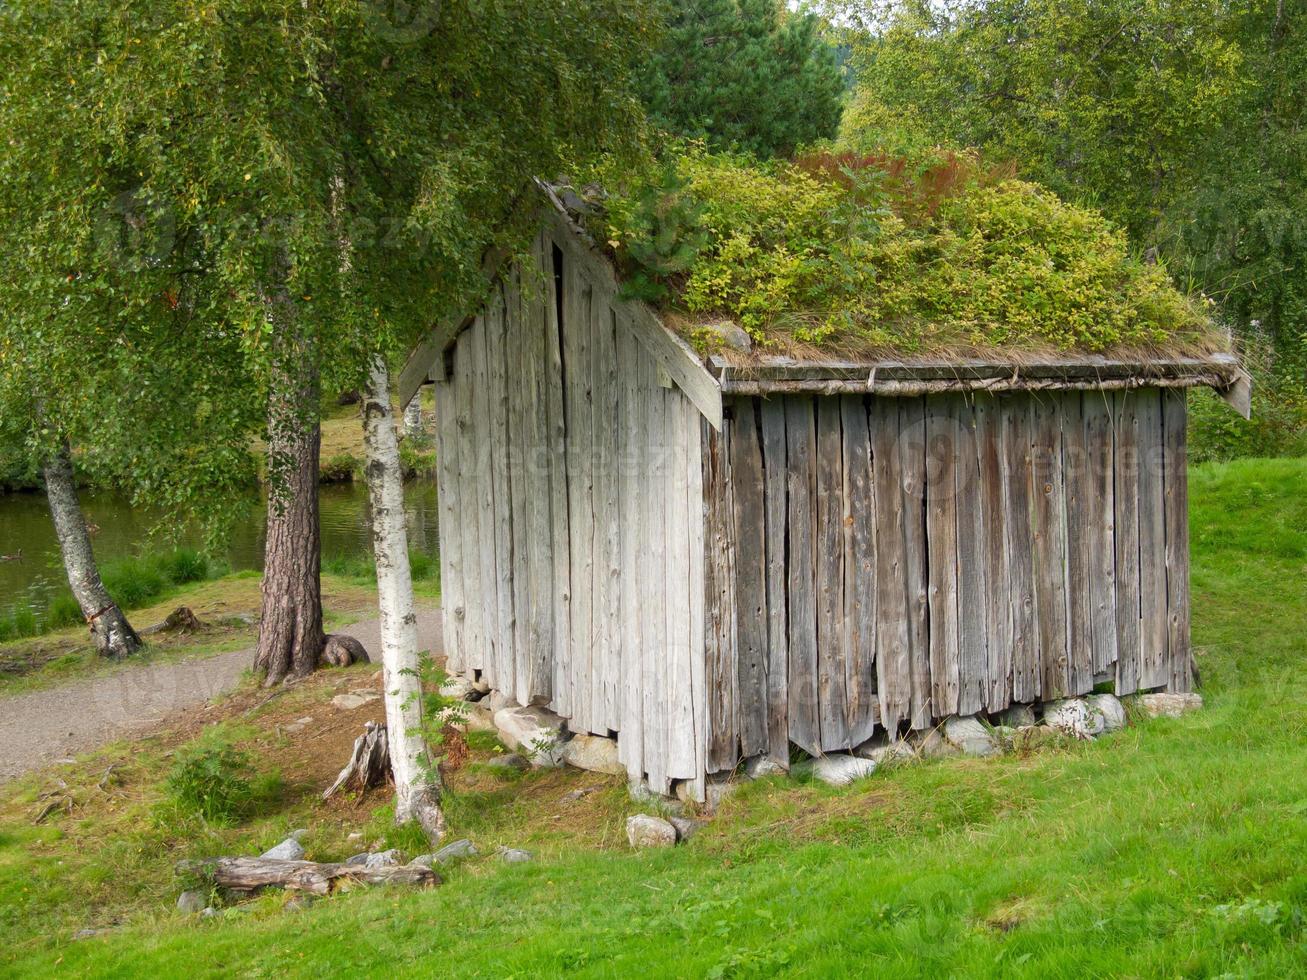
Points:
(245, 874)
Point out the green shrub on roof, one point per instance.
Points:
(857, 253)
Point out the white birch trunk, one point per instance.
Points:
(417, 784)
(413, 416)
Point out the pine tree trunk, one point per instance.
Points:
(290, 628)
(114, 636)
(417, 782)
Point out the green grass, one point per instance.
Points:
(362, 570)
(132, 582)
(1176, 848)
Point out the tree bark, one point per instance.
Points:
(413, 416)
(114, 636)
(290, 628)
(417, 781)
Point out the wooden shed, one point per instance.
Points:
(710, 561)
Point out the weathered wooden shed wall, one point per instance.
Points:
(878, 561)
(572, 515)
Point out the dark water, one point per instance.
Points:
(124, 531)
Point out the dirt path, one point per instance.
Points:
(45, 726)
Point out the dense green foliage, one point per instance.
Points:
(133, 582)
(1170, 849)
(749, 74)
(186, 189)
(863, 252)
(1182, 121)
(212, 781)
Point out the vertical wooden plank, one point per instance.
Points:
(912, 471)
(719, 599)
(607, 582)
(681, 762)
(772, 416)
(1096, 408)
(861, 708)
(941, 550)
(538, 663)
(1017, 420)
(577, 356)
(893, 658)
(749, 526)
(482, 411)
(800, 438)
(997, 597)
(469, 507)
(654, 583)
(501, 477)
(449, 492)
(555, 408)
(832, 707)
(696, 557)
(518, 428)
(1176, 477)
(1154, 665)
(632, 466)
(1049, 526)
(1125, 505)
(973, 571)
(1076, 477)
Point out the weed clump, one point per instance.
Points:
(216, 782)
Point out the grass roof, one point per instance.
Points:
(864, 255)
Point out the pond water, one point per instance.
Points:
(124, 530)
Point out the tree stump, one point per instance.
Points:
(369, 763)
(341, 651)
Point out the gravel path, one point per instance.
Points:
(52, 724)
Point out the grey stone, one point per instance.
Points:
(1110, 708)
(212, 913)
(762, 766)
(481, 686)
(837, 769)
(1017, 716)
(498, 701)
(457, 689)
(971, 736)
(576, 794)
(716, 789)
(514, 855)
(1029, 737)
(193, 900)
(731, 334)
(1072, 716)
(1168, 705)
(298, 725)
(458, 851)
(510, 760)
(299, 833)
(351, 701)
(882, 750)
(686, 827)
(288, 850)
(932, 744)
(378, 859)
(535, 732)
(643, 830)
(593, 753)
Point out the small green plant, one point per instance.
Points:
(213, 781)
(340, 468)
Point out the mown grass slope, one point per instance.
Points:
(1177, 848)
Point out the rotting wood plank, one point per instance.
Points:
(862, 709)
(1076, 476)
(912, 470)
(484, 491)
(607, 581)
(696, 556)
(541, 595)
(632, 463)
(657, 716)
(1049, 526)
(772, 417)
(556, 452)
(517, 426)
(749, 525)
(942, 447)
(832, 710)
(972, 571)
(1096, 407)
(1016, 413)
(448, 493)
(893, 666)
(1154, 664)
(1176, 478)
(461, 381)
(577, 356)
(1125, 506)
(801, 437)
(723, 737)
(681, 762)
(502, 478)
(992, 530)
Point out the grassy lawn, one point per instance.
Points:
(1176, 848)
